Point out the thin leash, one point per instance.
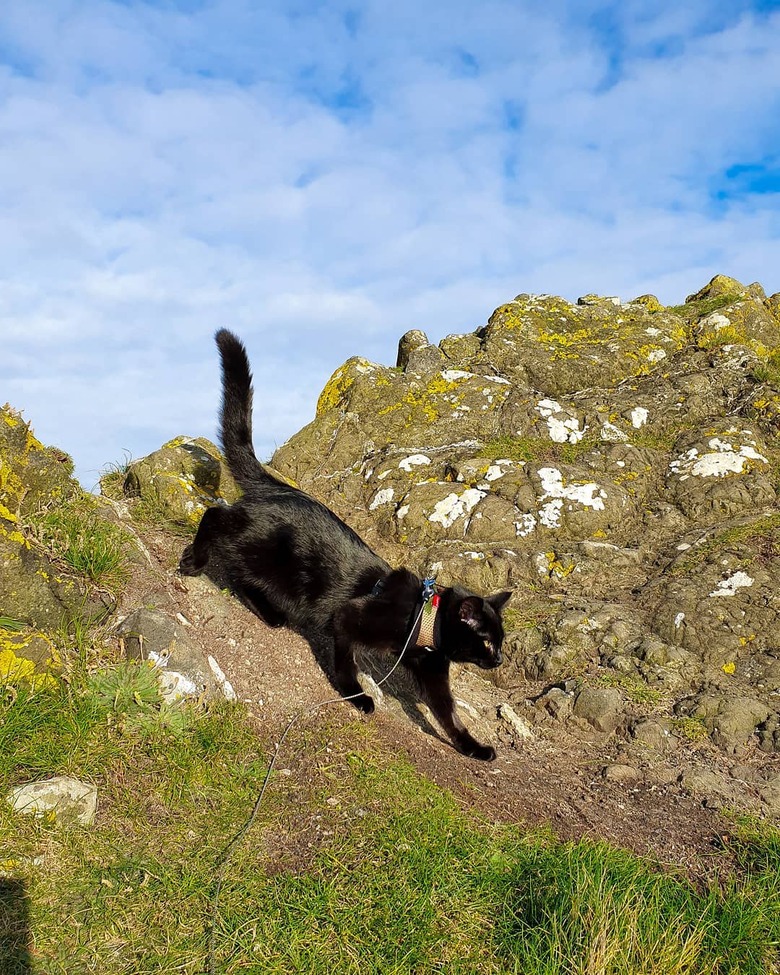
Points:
(429, 585)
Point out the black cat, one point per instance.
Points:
(297, 564)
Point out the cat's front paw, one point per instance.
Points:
(364, 703)
(485, 753)
(187, 565)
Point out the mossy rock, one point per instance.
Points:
(28, 657)
(35, 590)
(746, 320)
(182, 479)
(462, 349)
(717, 287)
(562, 348)
(32, 476)
(721, 472)
(651, 303)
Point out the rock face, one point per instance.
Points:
(617, 464)
(181, 479)
(36, 596)
(184, 672)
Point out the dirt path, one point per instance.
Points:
(555, 776)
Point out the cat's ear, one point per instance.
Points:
(499, 600)
(470, 611)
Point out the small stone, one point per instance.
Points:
(69, 800)
(770, 795)
(701, 782)
(512, 718)
(410, 342)
(652, 735)
(557, 703)
(601, 707)
(624, 774)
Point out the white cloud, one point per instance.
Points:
(321, 180)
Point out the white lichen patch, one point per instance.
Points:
(656, 355)
(385, 496)
(447, 511)
(550, 513)
(402, 512)
(723, 458)
(175, 686)
(652, 331)
(524, 525)
(475, 556)
(451, 375)
(364, 365)
(496, 471)
(563, 427)
(715, 321)
(678, 620)
(415, 460)
(729, 587)
(497, 379)
(589, 495)
(638, 417)
(612, 434)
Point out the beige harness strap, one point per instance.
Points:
(427, 624)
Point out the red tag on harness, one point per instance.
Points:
(435, 600)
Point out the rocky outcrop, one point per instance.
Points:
(179, 481)
(38, 595)
(617, 464)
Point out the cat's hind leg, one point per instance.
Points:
(256, 600)
(195, 557)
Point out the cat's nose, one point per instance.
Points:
(498, 656)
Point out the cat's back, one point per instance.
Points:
(308, 526)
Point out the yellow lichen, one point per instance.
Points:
(15, 669)
(334, 391)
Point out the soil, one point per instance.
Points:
(564, 775)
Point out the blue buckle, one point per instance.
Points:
(429, 586)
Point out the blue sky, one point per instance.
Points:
(322, 176)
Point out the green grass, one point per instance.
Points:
(112, 477)
(755, 541)
(11, 625)
(148, 512)
(691, 311)
(768, 371)
(634, 687)
(356, 863)
(536, 449)
(85, 541)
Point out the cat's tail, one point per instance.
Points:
(236, 412)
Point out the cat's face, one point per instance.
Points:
(478, 633)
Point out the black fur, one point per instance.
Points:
(297, 564)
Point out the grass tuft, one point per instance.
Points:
(89, 544)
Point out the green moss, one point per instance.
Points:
(632, 686)
(691, 728)
(534, 450)
(692, 311)
(533, 612)
(768, 371)
(754, 538)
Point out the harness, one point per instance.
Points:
(423, 634)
